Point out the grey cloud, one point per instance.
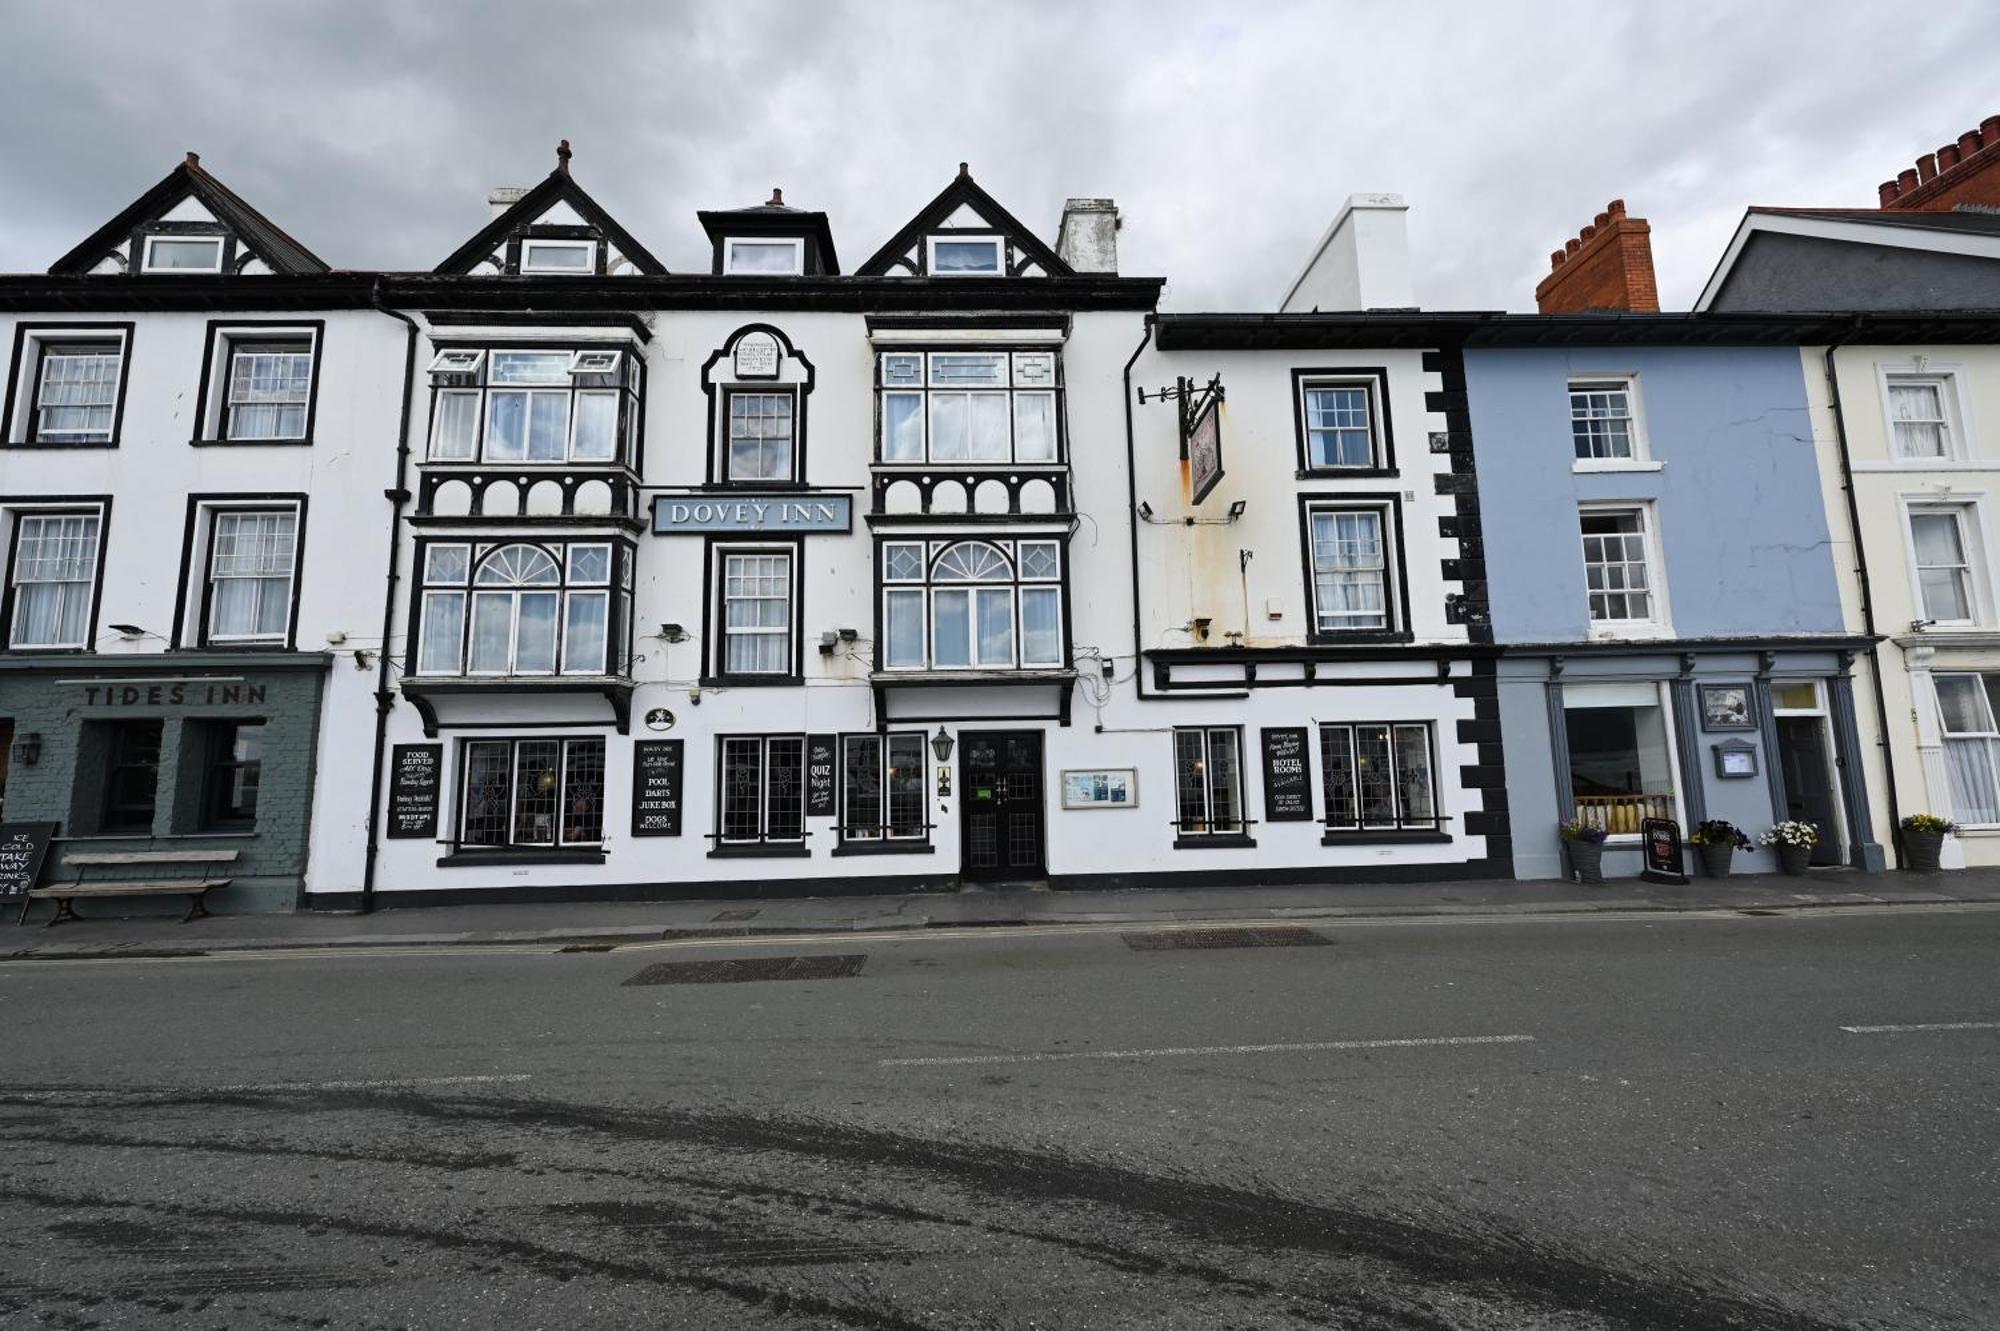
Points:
(1229, 133)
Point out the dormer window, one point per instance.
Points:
(571, 257)
(965, 256)
(183, 254)
(784, 258)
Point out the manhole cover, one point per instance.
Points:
(749, 914)
(1282, 935)
(744, 969)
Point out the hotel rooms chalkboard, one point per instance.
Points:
(656, 787)
(1287, 775)
(415, 773)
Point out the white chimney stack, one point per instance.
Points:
(1088, 239)
(1361, 263)
(503, 197)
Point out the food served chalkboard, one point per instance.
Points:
(656, 787)
(820, 770)
(415, 771)
(1287, 775)
(23, 849)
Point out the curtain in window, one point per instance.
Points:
(454, 428)
(1968, 767)
(757, 613)
(252, 569)
(267, 394)
(1941, 565)
(54, 564)
(1349, 571)
(1917, 415)
(78, 394)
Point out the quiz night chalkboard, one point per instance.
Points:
(23, 849)
(1287, 775)
(656, 787)
(415, 771)
(820, 768)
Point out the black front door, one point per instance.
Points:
(1001, 805)
(1809, 781)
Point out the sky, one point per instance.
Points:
(1228, 133)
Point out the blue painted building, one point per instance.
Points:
(1663, 589)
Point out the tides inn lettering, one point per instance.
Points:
(674, 516)
(179, 693)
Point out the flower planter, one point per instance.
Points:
(1795, 860)
(1587, 859)
(1921, 849)
(1715, 859)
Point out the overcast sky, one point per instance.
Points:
(1229, 133)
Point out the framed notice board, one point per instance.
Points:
(657, 769)
(416, 773)
(1287, 775)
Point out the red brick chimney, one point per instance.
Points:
(1608, 266)
(1967, 171)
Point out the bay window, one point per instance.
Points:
(517, 609)
(972, 604)
(532, 792)
(969, 406)
(534, 406)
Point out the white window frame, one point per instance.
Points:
(594, 360)
(999, 244)
(786, 634)
(1657, 623)
(1578, 697)
(212, 579)
(468, 360)
(588, 248)
(1641, 458)
(457, 360)
(93, 585)
(1970, 514)
(1948, 739)
(1385, 516)
(1025, 374)
(797, 245)
(568, 589)
(1950, 378)
(257, 342)
(1370, 390)
(730, 395)
(43, 344)
(146, 254)
(1015, 589)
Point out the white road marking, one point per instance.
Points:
(1200, 1051)
(1924, 1026)
(382, 1083)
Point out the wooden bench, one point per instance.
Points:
(194, 889)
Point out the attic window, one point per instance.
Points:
(965, 256)
(781, 257)
(457, 360)
(183, 254)
(558, 256)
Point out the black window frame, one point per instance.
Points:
(1359, 832)
(117, 763)
(54, 506)
(1375, 379)
(722, 470)
(1057, 389)
(198, 584)
(1196, 833)
(222, 340)
(559, 843)
(220, 767)
(878, 838)
(20, 415)
(715, 635)
(618, 587)
(1396, 578)
(721, 844)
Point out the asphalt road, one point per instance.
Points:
(1587, 1123)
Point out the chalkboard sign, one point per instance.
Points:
(821, 766)
(656, 787)
(1287, 775)
(23, 848)
(415, 773)
(1663, 851)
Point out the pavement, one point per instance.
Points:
(588, 923)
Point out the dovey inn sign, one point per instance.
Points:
(683, 515)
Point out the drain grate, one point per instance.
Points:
(745, 969)
(1279, 935)
(747, 914)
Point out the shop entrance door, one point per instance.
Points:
(1001, 818)
(1809, 788)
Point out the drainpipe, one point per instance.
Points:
(1132, 508)
(1867, 591)
(397, 496)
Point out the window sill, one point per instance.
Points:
(251, 443)
(1360, 636)
(1614, 465)
(465, 859)
(1335, 473)
(1631, 633)
(58, 443)
(751, 681)
(884, 848)
(759, 852)
(1385, 838)
(1238, 842)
